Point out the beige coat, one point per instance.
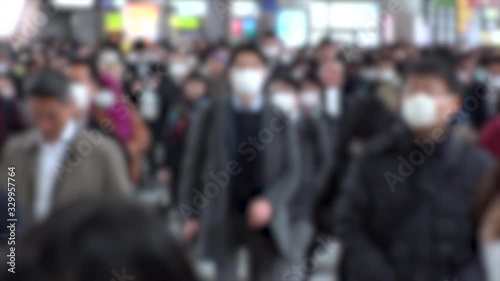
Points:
(93, 167)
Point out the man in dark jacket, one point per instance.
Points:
(238, 175)
(410, 205)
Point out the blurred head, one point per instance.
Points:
(332, 73)
(179, 66)
(96, 241)
(194, 88)
(271, 46)
(50, 103)
(7, 88)
(248, 72)
(83, 88)
(283, 93)
(386, 68)
(494, 72)
(466, 67)
(214, 65)
(430, 97)
(326, 51)
(110, 62)
(5, 66)
(310, 96)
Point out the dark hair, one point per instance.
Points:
(284, 77)
(90, 62)
(193, 77)
(434, 66)
(96, 241)
(49, 84)
(311, 78)
(247, 48)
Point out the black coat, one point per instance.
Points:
(415, 223)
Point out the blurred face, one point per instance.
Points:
(215, 67)
(332, 74)
(81, 74)
(248, 75)
(310, 97)
(194, 90)
(50, 116)
(427, 103)
(7, 89)
(283, 96)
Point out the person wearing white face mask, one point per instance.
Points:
(252, 138)
(283, 95)
(413, 172)
(332, 76)
(316, 158)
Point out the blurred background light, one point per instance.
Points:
(10, 14)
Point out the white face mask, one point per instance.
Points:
(271, 51)
(105, 99)
(387, 75)
(149, 106)
(286, 58)
(178, 70)
(420, 111)
(4, 68)
(333, 102)
(310, 99)
(462, 76)
(494, 81)
(248, 81)
(81, 95)
(285, 101)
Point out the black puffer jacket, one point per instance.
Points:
(407, 213)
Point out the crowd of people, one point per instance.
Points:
(391, 153)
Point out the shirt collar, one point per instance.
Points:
(67, 133)
(256, 105)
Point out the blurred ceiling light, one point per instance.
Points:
(10, 14)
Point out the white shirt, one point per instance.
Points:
(333, 102)
(49, 165)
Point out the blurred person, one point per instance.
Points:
(83, 89)
(490, 137)
(179, 120)
(58, 61)
(242, 162)
(283, 95)
(388, 82)
(316, 163)
(58, 162)
(325, 51)
(119, 117)
(271, 47)
(214, 70)
(100, 240)
(11, 118)
(474, 91)
(394, 215)
(492, 95)
(5, 64)
(179, 67)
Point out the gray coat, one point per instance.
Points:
(93, 167)
(208, 166)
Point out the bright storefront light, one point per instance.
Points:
(10, 14)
